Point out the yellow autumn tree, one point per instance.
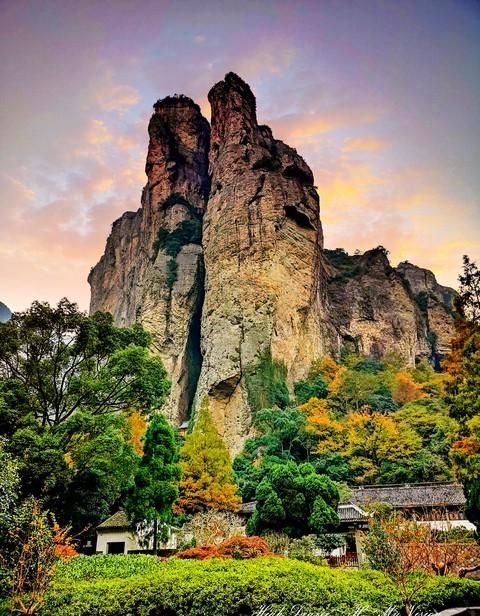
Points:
(322, 424)
(207, 481)
(138, 427)
(326, 367)
(373, 439)
(405, 389)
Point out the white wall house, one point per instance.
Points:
(117, 536)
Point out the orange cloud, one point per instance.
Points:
(363, 144)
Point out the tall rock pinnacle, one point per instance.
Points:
(152, 269)
(262, 251)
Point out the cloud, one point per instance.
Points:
(363, 144)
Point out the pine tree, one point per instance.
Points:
(207, 481)
(156, 480)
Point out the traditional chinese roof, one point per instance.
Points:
(248, 507)
(439, 494)
(117, 521)
(351, 513)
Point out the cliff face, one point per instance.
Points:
(436, 303)
(262, 243)
(379, 309)
(224, 265)
(152, 269)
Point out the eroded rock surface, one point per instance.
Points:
(262, 245)
(378, 309)
(152, 269)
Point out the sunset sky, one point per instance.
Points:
(382, 99)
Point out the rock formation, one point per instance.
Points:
(262, 245)
(378, 309)
(152, 269)
(224, 265)
(5, 313)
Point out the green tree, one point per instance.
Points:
(294, 499)
(313, 387)
(463, 388)
(156, 481)
(102, 462)
(208, 481)
(66, 381)
(59, 361)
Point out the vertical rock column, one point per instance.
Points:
(152, 269)
(262, 249)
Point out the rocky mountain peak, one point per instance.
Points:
(234, 118)
(224, 265)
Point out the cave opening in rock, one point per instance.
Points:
(301, 219)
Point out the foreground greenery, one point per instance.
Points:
(143, 585)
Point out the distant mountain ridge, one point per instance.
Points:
(5, 313)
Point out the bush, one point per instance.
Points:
(241, 548)
(238, 546)
(200, 552)
(190, 588)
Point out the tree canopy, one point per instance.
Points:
(207, 481)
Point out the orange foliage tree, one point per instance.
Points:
(405, 389)
(138, 427)
(320, 422)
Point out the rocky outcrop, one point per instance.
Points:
(262, 243)
(5, 313)
(378, 309)
(435, 302)
(224, 265)
(152, 269)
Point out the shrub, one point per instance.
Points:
(241, 547)
(238, 546)
(212, 527)
(305, 549)
(186, 232)
(266, 383)
(200, 552)
(232, 587)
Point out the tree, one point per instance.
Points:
(102, 463)
(406, 389)
(463, 388)
(469, 292)
(373, 440)
(58, 361)
(320, 422)
(156, 480)
(39, 542)
(207, 481)
(212, 527)
(408, 552)
(294, 499)
(313, 387)
(66, 383)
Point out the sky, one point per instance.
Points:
(381, 97)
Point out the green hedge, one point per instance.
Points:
(145, 586)
(207, 588)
